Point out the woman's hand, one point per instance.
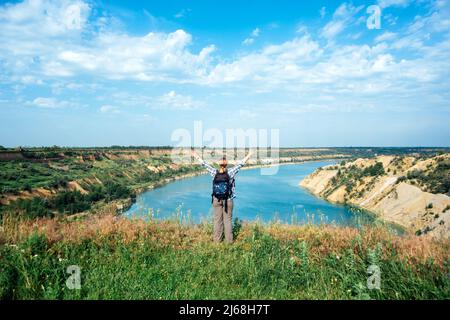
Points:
(247, 157)
(195, 155)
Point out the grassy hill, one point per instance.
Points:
(126, 259)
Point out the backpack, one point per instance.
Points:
(222, 187)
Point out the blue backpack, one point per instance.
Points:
(222, 187)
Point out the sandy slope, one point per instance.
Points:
(398, 202)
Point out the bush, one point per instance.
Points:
(8, 189)
(59, 182)
(70, 202)
(109, 191)
(375, 170)
(415, 174)
(34, 208)
(237, 226)
(115, 191)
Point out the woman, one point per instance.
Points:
(223, 195)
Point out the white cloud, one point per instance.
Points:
(50, 103)
(332, 29)
(182, 13)
(255, 33)
(301, 29)
(323, 12)
(272, 64)
(173, 100)
(248, 41)
(44, 18)
(57, 39)
(343, 16)
(393, 3)
(47, 40)
(109, 109)
(31, 80)
(247, 114)
(155, 56)
(386, 36)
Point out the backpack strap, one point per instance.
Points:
(212, 194)
(230, 191)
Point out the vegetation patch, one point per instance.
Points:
(123, 259)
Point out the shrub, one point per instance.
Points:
(237, 226)
(33, 208)
(70, 202)
(375, 170)
(415, 174)
(59, 182)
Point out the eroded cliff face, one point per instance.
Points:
(409, 191)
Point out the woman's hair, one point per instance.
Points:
(223, 163)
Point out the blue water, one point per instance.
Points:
(266, 198)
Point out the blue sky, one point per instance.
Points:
(78, 73)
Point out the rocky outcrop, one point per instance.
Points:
(393, 192)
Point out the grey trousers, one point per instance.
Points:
(223, 220)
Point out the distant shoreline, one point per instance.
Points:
(143, 189)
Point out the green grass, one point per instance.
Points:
(257, 266)
(120, 180)
(23, 175)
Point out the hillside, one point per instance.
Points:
(47, 181)
(413, 192)
(126, 259)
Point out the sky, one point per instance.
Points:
(323, 73)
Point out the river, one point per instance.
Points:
(259, 197)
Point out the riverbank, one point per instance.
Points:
(394, 188)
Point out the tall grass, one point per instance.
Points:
(135, 259)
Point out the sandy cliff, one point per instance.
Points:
(399, 189)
